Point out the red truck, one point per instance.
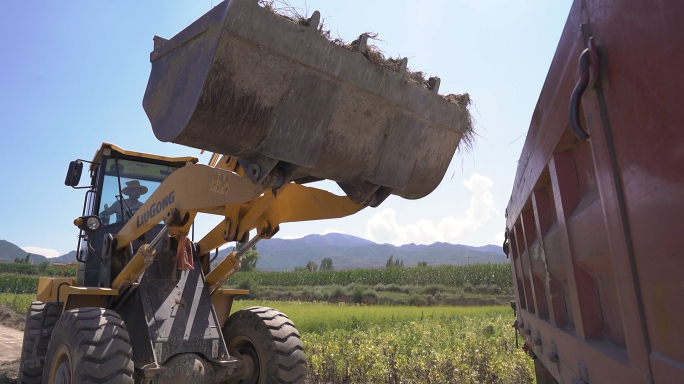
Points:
(595, 223)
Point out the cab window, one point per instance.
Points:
(126, 187)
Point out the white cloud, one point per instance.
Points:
(384, 226)
(329, 230)
(499, 238)
(295, 237)
(42, 251)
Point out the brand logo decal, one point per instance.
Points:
(155, 209)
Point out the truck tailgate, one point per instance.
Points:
(595, 226)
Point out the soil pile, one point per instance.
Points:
(284, 9)
(11, 319)
(9, 372)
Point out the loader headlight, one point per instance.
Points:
(93, 223)
(88, 223)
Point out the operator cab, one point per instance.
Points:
(121, 181)
(126, 185)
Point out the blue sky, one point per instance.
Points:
(73, 75)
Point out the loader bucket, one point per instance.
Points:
(246, 82)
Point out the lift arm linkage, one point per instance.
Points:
(244, 205)
(191, 189)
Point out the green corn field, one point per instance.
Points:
(13, 283)
(36, 269)
(22, 278)
(496, 274)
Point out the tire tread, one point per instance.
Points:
(102, 346)
(286, 360)
(32, 329)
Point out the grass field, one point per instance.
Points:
(319, 317)
(347, 343)
(19, 303)
(379, 344)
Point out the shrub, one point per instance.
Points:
(335, 291)
(434, 289)
(488, 289)
(318, 294)
(494, 290)
(414, 299)
(398, 288)
(380, 287)
(43, 267)
(482, 289)
(357, 294)
(245, 284)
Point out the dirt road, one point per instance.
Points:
(10, 347)
(10, 343)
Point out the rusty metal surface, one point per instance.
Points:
(594, 226)
(245, 82)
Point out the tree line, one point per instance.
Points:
(250, 258)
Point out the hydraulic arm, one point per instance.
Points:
(222, 190)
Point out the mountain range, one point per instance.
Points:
(9, 252)
(349, 252)
(346, 252)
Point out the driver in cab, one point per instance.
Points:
(131, 204)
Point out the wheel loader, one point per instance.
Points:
(280, 106)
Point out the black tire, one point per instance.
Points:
(89, 345)
(270, 341)
(37, 335)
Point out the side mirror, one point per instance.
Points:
(73, 176)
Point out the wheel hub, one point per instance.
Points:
(244, 350)
(60, 369)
